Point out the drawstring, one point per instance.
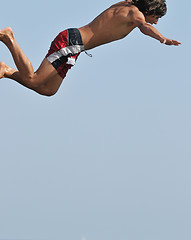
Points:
(89, 54)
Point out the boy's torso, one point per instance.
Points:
(112, 24)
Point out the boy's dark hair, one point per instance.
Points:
(151, 7)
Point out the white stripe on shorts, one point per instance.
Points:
(65, 52)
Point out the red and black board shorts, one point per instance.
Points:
(65, 50)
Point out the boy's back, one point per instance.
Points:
(112, 24)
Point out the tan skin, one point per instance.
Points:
(113, 24)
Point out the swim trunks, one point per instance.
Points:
(65, 50)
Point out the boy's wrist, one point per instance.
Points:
(163, 40)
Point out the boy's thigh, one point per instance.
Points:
(45, 71)
(48, 78)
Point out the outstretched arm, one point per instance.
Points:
(148, 29)
(151, 31)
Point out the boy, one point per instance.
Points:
(114, 23)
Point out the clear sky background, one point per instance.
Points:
(108, 157)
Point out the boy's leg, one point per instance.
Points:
(48, 88)
(46, 76)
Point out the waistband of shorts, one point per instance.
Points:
(74, 37)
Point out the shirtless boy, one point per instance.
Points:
(114, 23)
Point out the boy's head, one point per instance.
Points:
(151, 7)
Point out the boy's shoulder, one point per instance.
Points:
(135, 13)
(126, 8)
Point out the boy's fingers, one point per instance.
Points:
(176, 42)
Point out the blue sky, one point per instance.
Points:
(108, 157)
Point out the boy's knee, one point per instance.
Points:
(49, 93)
(42, 90)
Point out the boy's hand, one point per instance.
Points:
(170, 42)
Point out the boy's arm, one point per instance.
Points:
(147, 29)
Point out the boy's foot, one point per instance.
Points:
(3, 68)
(6, 35)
